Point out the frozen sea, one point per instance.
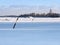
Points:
(43, 33)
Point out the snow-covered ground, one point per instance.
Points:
(31, 19)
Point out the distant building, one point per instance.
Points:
(51, 14)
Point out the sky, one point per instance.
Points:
(11, 7)
(30, 2)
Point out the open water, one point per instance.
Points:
(30, 34)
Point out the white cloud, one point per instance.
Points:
(16, 10)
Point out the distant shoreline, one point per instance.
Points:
(31, 19)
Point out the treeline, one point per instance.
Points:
(35, 15)
(41, 15)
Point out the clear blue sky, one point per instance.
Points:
(30, 2)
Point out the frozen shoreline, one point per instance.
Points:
(31, 19)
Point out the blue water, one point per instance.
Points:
(35, 26)
(30, 34)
